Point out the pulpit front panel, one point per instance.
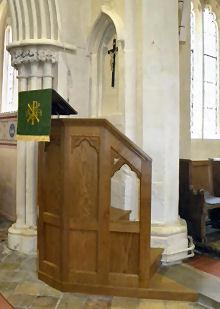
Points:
(83, 202)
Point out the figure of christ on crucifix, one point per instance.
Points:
(113, 52)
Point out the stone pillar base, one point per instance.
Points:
(173, 238)
(22, 239)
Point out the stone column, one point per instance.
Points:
(34, 64)
(47, 75)
(21, 161)
(20, 236)
(34, 82)
(130, 70)
(161, 120)
(185, 81)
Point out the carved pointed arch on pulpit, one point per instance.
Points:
(92, 141)
(118, 161)
(125, 186)
(125, 192)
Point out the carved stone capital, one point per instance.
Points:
(31, 54)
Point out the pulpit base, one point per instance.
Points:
(160, 287)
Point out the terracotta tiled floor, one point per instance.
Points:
(4, 304)
(206, 264)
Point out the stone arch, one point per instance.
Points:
(34, 20)
(105, 18)
(214, 7)
(107, 26)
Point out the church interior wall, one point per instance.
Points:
(73, 89)
(204, 149)
(74, 75)
(73, 65)
(3, 22)
(72, 85)
(149, 90)
(8, 182)
(8, 154)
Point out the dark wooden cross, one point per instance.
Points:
(113, 52)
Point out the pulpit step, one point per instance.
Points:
(117, 214)
(155, 258)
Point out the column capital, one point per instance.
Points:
(32, 54)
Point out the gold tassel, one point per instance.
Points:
(34, 138)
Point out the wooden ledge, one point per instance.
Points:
(155, 258)
(160, 287)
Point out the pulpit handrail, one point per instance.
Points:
(105, 123)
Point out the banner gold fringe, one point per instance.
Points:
(34, 138)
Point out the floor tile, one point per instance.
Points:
(124, 302)
(152, 304)
(70, 301)
(9, 266)
(6, 286)
(14, 258)
(46, 290)
(4, 303)
(29, 288)
(44, 302)
(181, 305)
(18, 300)
(98, 302)
(202, 282)
(206, 264)
(29, 264)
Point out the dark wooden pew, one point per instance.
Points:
(197, 203)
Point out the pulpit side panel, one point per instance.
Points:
(50, 169)
(124, 253)
(130, 241)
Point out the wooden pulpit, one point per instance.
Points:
(84, 244)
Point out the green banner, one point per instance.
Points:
(34, 115)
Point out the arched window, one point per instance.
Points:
(9, 81)
(204, 75)
(193, 117)
(210, 78)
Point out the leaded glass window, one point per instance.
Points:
(193, 119)
(204, 95)
(9, 83)
(210, 78)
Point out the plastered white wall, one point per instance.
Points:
(8, 182)
(204, 149)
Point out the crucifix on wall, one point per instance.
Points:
(113, 52)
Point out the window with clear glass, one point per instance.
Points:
(210, 78)
(9, 81)
(205, 79)
(193, 119)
